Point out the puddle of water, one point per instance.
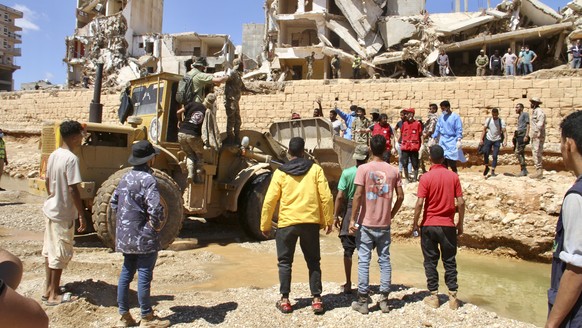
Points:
(512, 288)
(15, 234)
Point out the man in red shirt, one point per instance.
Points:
(384, 129)
(411, 142)
(437, 191)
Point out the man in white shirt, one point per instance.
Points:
(509, 60)
(493, 137)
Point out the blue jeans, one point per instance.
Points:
(527, 68)
(576, 62)
(488, 146)
(144, 265)
(400, 161)
(366, 240)
(509, 70)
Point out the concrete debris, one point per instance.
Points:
(390, 35)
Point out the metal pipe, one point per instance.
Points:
(96, 107)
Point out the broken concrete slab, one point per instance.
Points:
(497, 13)
(394, 30)
(342, 29)
(389, 57)
(404, 7)
(465, 25)
(362, 15)
(538, 13)
(525, 34)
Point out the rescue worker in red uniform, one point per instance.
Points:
(411, 142)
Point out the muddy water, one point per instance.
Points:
(512, 288)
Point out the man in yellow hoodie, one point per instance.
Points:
(305, 206)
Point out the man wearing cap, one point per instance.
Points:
(301, 193)
(232, 92)
(481, 61)
(140, 215)
(201, 80)
(537, 135)
(438, 190)
(449, 130)
(376, 183)
(411, 142)
(346, 189)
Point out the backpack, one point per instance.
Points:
(185, 94)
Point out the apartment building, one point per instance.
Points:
(9, 38)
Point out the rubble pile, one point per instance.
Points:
(390, 34)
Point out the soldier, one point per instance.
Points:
(361, 127)
(200, 79)
(356, 66)
(537, 135)
(520, 136)
(481, 62)
(232, 93)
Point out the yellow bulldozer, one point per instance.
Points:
(235, 177)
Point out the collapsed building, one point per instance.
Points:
(399, 38)
(126, 36)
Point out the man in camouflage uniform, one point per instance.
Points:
(232, 92)
(537, 135)
(310, 59)
(361, 127)
(429, 127)
(201, 80)
(139, 213)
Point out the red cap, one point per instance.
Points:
(410, 110)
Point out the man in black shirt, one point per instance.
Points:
(190, 136)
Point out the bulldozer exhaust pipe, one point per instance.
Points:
(96, 107)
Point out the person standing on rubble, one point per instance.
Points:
(232, 92)
(361, 127)
(449, 130)
(493, 137)
(565, 292)
(576, 51)
(348, 119)
(495, 64)
(427, 132)
(537, 135)
(356, 66)
(526, 60)
(508, 60)
(481, 62)
(336, 72)
(200, 79)
(521, 137)
(309, 60)
(443, 61)
(411, 134)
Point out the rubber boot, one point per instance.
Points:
(538, 175)
(453, 301)
(384, 303)
(432, 300)
(361, 304)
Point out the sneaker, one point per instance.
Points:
(317, 307)
(126, 320)
(486, 171)
(361, 305)
(453, 301)
(432, 300)
(153, 321)
(383, 304)
(523, 173)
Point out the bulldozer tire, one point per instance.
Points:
(252, 199)
(104, 220)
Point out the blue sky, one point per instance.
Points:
(47, 22)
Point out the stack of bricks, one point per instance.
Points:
(471, 97)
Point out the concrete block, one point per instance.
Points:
(542, 84)
(521, 83)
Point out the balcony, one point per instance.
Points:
(15, 52)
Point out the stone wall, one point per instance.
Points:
(471, 97)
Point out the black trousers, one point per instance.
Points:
(286, 240)
(412, 156)
(445, 238)
(452, 164)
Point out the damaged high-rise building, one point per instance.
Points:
(9, 38)
(398, 38)
(126, 36)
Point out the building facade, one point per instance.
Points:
(9, 38)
